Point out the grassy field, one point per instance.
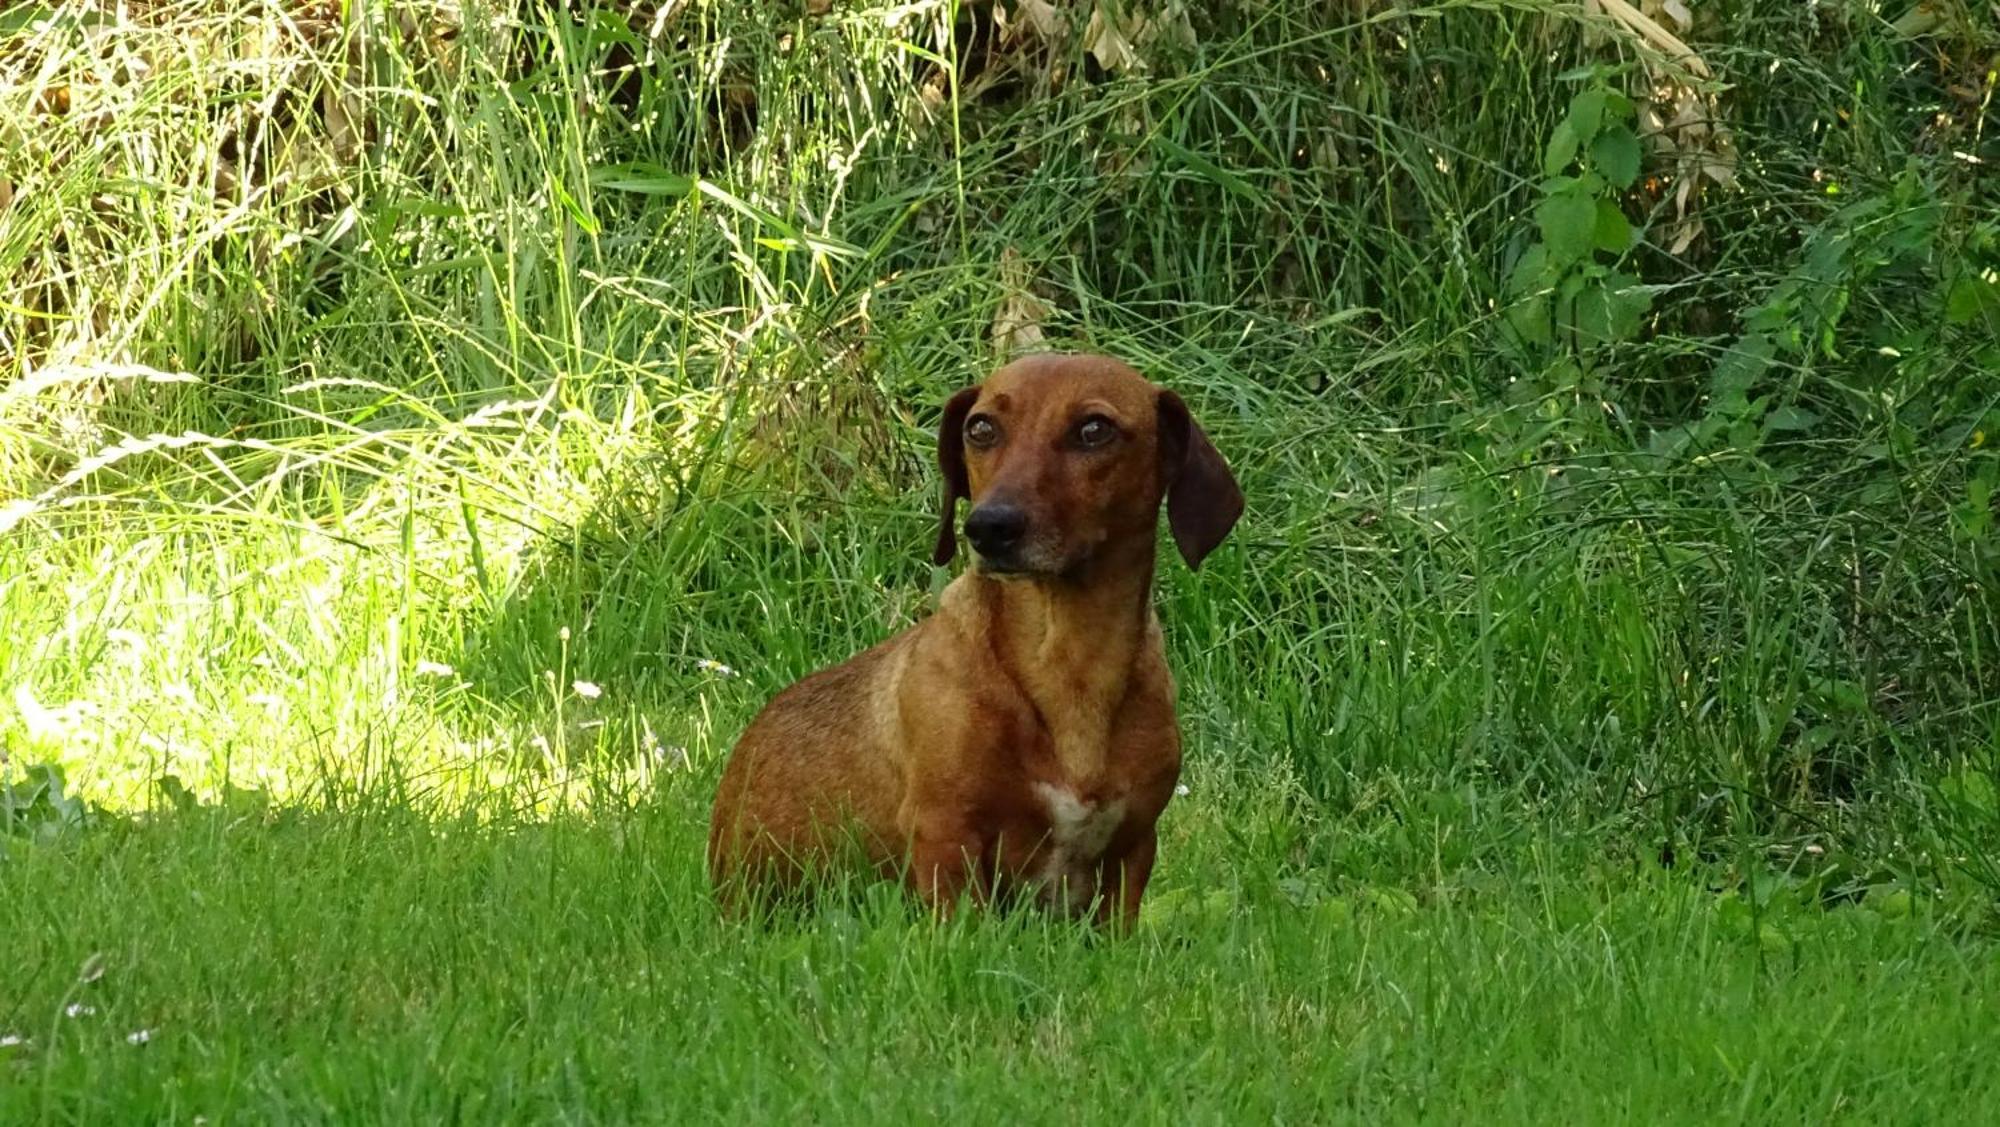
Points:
(429, 432)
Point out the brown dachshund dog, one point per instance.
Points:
(1023, 738)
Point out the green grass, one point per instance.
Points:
(425, 441)
(365, 964)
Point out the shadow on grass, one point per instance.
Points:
(693, 589)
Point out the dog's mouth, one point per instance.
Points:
(1004, 568)
(1022, 564)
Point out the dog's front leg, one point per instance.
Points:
(945, 865)
(1122, 881)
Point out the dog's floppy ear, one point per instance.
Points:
(1203, 499)
(951, 460)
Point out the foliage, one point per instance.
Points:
(1578, 219)
(38, 807)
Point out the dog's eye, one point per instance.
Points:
(1095, 432)
(981, 432)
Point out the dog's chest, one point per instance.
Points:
(1079, 831)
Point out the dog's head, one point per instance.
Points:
(1062, 455)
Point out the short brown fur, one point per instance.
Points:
(1023, 737)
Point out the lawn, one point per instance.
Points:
(428, 433)
(366, 965)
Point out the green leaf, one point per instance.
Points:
(176, 793)
(1612, 309)
(1613, 232)
(1742, 366)
(1773, 938)
(17, 20)
(790, 237)
(1893, 902)
(1528, 318)
(1228, 181)
(1732, 916)
(1567, 221)
(1389, 900)
(1775, 317)
(582, 218)
(1975, 516)
(1972, 790)
(1970, 297)
(1790, 418)
(1592, 315)
(1835, 694)
(642, 177)
(1666, 445)
(1561, 150)
(1586, 111)
(606, 29)
(1531, 271)
(1615, 154)
(37, 807)
(1573, 282)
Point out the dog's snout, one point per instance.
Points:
(995, 529)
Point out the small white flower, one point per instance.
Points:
(563, 634)
(657, 754)
(138, 1036)
(12, 1040)
(1181, 789)
(78, 1009)
(714, 666)
(586, 690)
(434, 669)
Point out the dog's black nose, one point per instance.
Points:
(995, 530)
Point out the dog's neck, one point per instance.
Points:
(1071, 643)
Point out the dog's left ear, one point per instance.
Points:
(1203, 499)
(951, 460)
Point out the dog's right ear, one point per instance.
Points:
(951, 460)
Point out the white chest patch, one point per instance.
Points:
(1079, 832)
